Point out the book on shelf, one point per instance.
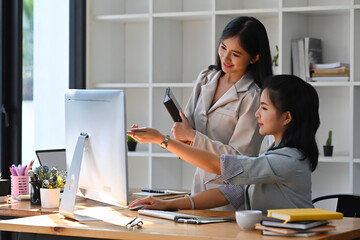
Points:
(287, 231)
(342, 69)
(330, 74)
(172, 105)
(300, 225)
(313, 54)
(303, 214)
(301, 51)
(295, 58)
(330, 79)
(305, 53)
(331, 65)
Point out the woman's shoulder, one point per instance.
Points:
(290, 152)
(207, 75)
(251, 85)
(288, 158)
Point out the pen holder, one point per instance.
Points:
(19, 186)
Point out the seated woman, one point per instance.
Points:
(278, 178)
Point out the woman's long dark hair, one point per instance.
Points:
(291, 93)
(254, 40)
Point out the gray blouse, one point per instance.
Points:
(279, 178)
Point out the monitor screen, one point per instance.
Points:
(101, 115)
(52, 158)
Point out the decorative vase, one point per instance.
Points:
(328, 151)
(131, 146)
(50, 197)
(35, 193)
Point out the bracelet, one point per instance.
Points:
(191, 201)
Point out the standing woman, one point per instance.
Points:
(220, 115)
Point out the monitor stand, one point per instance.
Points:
(69, 196)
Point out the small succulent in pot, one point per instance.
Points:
(131, 143)
(328, 147)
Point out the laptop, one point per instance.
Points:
(52, 158)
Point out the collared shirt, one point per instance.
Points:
(279, 178)
(227, 127)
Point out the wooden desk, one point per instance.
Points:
(153, 228)
(24, 209)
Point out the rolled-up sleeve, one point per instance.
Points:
(230, 166)
(234, 194)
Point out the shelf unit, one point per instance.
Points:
(144, 46)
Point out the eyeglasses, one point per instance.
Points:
(135, 222)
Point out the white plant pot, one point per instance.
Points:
(50, 197)
(276, 70)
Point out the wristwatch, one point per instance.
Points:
(164, 143)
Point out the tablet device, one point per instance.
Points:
(172, 105)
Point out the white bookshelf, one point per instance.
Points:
(144, 46)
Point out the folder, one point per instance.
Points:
(303, 214)
(172, 105)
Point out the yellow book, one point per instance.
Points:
(303, 214)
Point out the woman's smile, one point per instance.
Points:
(227, 65)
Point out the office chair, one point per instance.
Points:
(348, 204)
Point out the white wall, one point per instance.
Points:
(51, 72)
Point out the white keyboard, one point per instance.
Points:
(163, 214)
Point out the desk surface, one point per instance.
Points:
(112, 226)
(24, 209)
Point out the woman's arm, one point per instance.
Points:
(204, 200)
(208, 161)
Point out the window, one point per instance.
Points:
(41, 83)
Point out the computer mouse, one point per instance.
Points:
(137, 207)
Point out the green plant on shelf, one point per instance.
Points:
(329, 139)
(276, 57)
(130, 139)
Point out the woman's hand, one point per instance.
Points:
(182, 131)
(150, 203)
(145, 135)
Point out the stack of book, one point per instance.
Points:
(336, 71)
(299, 222)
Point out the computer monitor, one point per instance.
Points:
(99, 115)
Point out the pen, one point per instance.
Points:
(11, 170)
(14, 170)
(153, 191)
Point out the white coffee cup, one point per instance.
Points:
(246, 219)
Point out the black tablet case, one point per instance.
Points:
(172, 105)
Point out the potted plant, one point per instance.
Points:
(328, 148)
(131, 143)
(46, 184)
(274, 61)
